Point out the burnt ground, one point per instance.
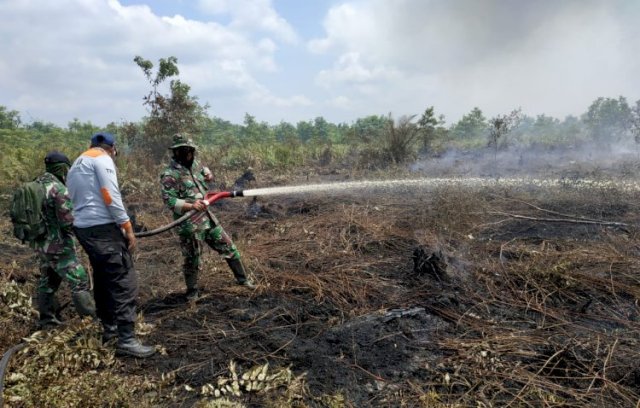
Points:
(358, 340)
(426, 298)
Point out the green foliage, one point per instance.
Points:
(501, 125)
(635, 121)
(70, 368)
(220, 132)
(400, 138)
(17, 303)
(177, 112)
(19, 164)
(609, 119)
(472, 125)
(288, 156)
(261, 156)
(256, 133)
(367, 130)
(41, 127)
(321, 130)
(129, 135)
(286, 132)
(546, 132)
(373, 141)
(304, 131)
(9, 119)
(82, 130)
(22, 151)
(432, 130)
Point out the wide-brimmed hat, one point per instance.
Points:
(182, 140)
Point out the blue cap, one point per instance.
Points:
(103, 137)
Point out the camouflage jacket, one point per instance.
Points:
(58, 215)
(181, 185)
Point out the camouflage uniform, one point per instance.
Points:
(187, 185)
(57, 250)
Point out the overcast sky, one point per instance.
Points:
(295, 60)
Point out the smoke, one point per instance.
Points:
(592, 160)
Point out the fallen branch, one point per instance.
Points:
(570, 220)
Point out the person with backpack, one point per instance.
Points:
(105, 232)
(42, 217)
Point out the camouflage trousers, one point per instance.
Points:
(192, 247)
(63, 265)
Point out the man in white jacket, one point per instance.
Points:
(104, 230)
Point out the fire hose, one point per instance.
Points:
(4, 363)
(209, 199)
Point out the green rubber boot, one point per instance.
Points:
(47, 310)
(240, 274)
(84, 304)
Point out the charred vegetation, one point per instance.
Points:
(433, 297)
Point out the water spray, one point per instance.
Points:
(352, 186)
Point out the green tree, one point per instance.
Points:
(177, 112)
(499, 127)
(321, 129)
(130, 135)
(255, 132)
(82, 130)
(608, 119)
(431, 127)
(305, 131)
(572, 129)
(547, 130)
(285, 132)
(635, 122)
(41, 127)
(368, 129)
(473, 125)
(340, 133)
(218, 131)
(400, 138)
(9, 119)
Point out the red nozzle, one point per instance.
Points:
(212, 197)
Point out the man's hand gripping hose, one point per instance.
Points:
(209, 199)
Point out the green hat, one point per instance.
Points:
(180, 140)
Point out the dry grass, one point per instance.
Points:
(530, 313)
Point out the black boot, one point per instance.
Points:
(110, 332)
(84, 304)
(129, 345)
(47, 310)
(191, 281)
(239, 273)
(192, 294)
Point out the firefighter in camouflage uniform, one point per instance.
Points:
(57, 249)
(184, 185)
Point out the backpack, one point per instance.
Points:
(27, 212)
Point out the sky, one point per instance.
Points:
(295, 60)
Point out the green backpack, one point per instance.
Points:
(27, 212)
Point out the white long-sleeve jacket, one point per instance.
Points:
(93, 186)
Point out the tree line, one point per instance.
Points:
(377, 140)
